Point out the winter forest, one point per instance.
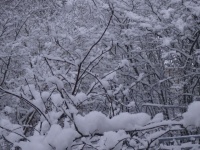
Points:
(99, 74)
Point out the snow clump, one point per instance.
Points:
(191, 117)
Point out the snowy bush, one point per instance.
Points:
(98, 74)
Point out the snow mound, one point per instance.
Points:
(191, 117)
(157, 118)
(129, 121)
(60, 138)
(57, 99)
(96, 122)
(92, 122)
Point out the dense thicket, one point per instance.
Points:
(99, 74)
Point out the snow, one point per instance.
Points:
(11, 136)
(177, 86)
(72, 109)
(133, 142)
(105, 83)
(163, 123)
(55, 81)
(33, 145)
(45, 95)
(77, 62)
(198, 59)
(141, 75)
(131, 104)
(48, 44)
(166, 41)
(111, 76)
(53, 115)
(163, 106)
(28, 89)
(118, 89)
(170, 53)
(129, 121)
(92, 122)
(108, 77)
(53, 132)
(53, 57)
(5, 123)
(80, 53)
(36, 142)
(98, 122)
(8, 110)
(66, 123)
(166, 12)
(113, 129)
(126, 92)
(133, 16)
(193, 7)
(145, 25)
(129, 32)
(112, 139)
(64, 139)
(191, 117)
(60, 138)
(180, 24)
(38, 102)
(45, 127)
(110, 93)
(79, 97)
(82, 30)
(155, 135)
(124, 63)
(157, 118)
(57, 99)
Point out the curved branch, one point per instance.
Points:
(27, 101)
